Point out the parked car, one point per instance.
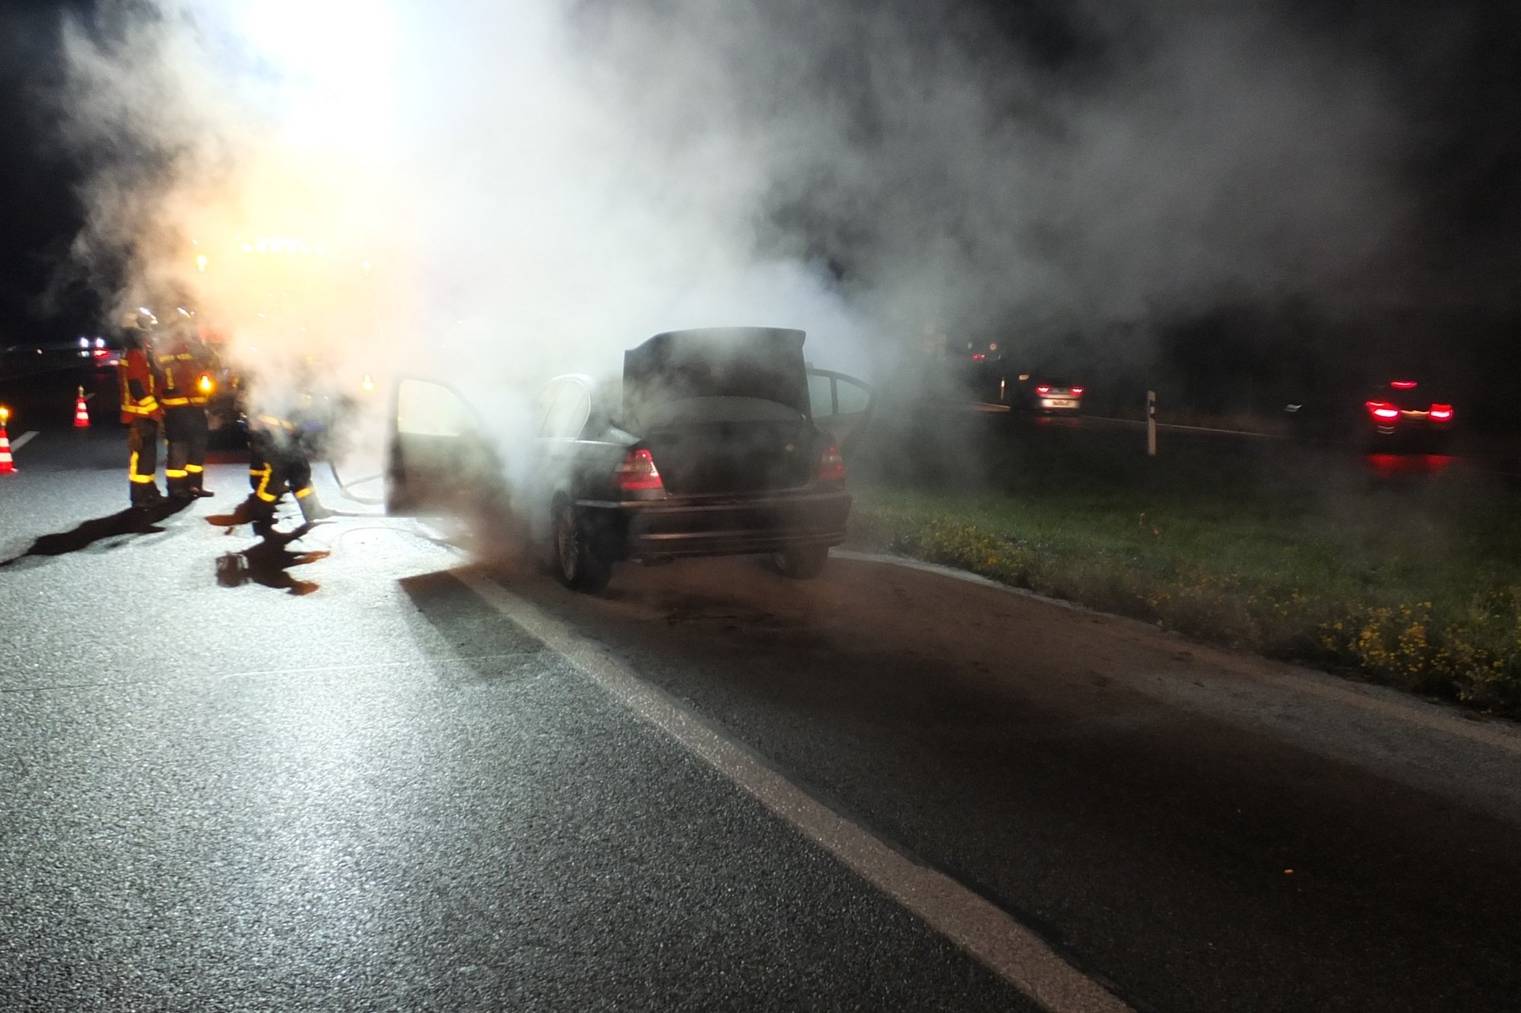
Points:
(712, 442)
(1403, 413)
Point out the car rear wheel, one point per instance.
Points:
(577, 564)
(803, 562)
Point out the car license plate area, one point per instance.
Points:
(1058, 402)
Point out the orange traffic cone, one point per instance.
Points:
(7, 466)
(81, 413)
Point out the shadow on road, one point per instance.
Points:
(122, 524)
(268, 561)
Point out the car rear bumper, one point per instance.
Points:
(631, 530)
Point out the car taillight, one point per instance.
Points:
(1383, 410)
(1403, 384)
(831, 464)
(1441, 412)
(978, 356)
(638, 472)
(1043, 389)
(1077, 392)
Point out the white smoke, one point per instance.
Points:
(511, 190)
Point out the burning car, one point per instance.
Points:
(712, 442)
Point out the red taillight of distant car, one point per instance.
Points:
(1077, 391)
(637, 472)
(1441, 412)
(1043, 389)
(1383, 411)
(1403, 384)
(978, 356)
(831, 464)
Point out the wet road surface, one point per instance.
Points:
(395, 776)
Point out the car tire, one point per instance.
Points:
(803, 562)
(577, 564)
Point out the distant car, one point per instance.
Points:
(1403, 413)
(1048, 395)
(52, 358)
(715, 442)
(976, 370)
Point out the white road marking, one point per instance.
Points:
(1140, 423)
(983, 929)
(22, 440)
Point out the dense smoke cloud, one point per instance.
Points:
(523, 188)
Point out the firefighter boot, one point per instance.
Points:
(312, 510)
(197, 481)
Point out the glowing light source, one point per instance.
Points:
(1403, 384)
(5, 415)
(1441, 412)
(638, 471)
(831, 464)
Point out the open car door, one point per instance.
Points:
(439, 460)
(841, 405)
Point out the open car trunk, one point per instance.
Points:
(715, 445)
(723, 410)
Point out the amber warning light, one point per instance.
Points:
(205, 385)
(5, 415)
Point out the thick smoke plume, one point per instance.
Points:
(505, 191)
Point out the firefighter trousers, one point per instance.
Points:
(187, 433)
(142, 462)
(278, 465)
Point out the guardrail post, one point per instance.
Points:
(1151, 423)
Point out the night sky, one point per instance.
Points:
(1453, 67)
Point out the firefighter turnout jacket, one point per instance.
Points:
(139, 387)
(188, 368)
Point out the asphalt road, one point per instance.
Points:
(399, 776)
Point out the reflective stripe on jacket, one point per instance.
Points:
(139, 387)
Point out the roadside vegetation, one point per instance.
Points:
(1395, 569)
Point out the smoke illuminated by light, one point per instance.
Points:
(500, 192)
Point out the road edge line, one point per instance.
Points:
(985, 931)
(23, 440)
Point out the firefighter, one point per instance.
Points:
(140, 409)
(279, 461)
(188, 366)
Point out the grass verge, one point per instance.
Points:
(1417, 589)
